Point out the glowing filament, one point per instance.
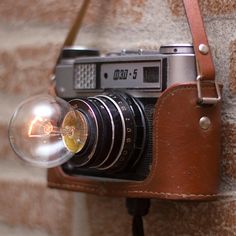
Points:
(40, 127)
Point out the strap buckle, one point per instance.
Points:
(207, 100)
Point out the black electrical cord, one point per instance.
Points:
(138, 207)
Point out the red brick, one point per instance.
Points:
(5, 149)
(191, 218)
(132, 8)
(209, 7)
(27, 69)
(55, 11)
(36, 207)
(108, 216)
(232, 67)
(62, 12)
(229, 151)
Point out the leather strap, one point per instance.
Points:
(69, 41)
(71, 36)
(205, 64)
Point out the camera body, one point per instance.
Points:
(142, 131)
(139, 73)
(117, 93)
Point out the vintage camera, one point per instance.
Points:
(115, 95)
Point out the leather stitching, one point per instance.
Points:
(96, 190)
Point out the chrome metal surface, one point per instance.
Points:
(123, 131)
(203, 49)
(205, 122)
(207, 100)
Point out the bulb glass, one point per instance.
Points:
(46, 131)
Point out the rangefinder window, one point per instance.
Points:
(151, 75)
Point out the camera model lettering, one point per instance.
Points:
(123, 74)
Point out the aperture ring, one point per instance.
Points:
(128, 132)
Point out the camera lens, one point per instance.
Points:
(115, 132)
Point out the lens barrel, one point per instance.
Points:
(117, 132)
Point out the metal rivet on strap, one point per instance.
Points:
(204, 122)
(203, 49)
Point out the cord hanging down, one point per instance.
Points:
(138, 207)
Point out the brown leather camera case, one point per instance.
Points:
(186, 152)
(185, 156)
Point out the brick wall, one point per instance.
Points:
(31, 33)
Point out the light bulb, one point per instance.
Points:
(46, 131)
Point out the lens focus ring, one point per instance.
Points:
(116, 132)
(128, 132)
